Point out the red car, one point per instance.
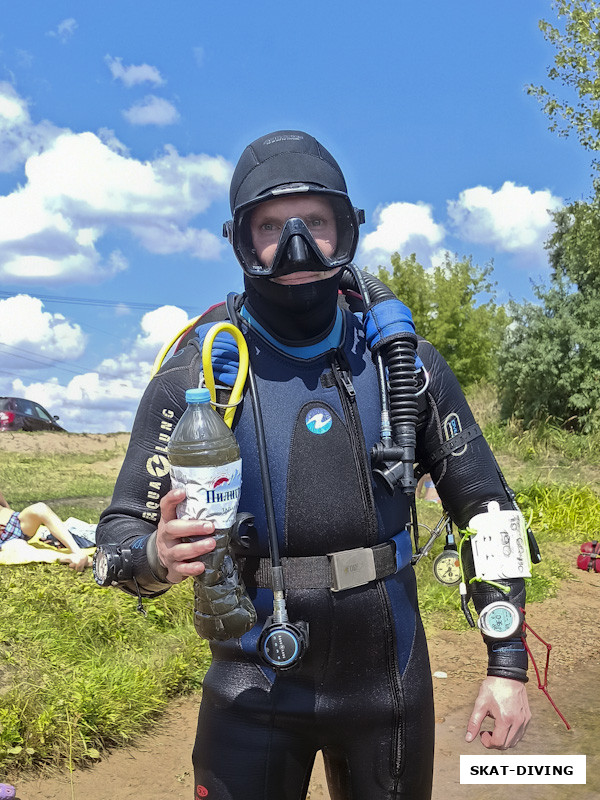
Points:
(18, 414)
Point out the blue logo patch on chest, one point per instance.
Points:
(318, 420)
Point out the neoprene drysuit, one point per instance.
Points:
(362, 693)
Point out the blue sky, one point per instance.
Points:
(120, 124)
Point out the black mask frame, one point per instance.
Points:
(348, 220)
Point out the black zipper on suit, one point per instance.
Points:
(343, 379)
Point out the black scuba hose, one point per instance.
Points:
(399, 357)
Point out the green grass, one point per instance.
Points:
(561, 513)
(26, 479)
(81, 669)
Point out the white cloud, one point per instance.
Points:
(108, 137)
(30, 336)
(13, 110)
(64, 30)
(80, 186)
(513, 219)
(19, 137)
(404, 228)
(152, 110)
(106, 398)
(134, 73)
(157, 326)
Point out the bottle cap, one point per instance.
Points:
(197, 396)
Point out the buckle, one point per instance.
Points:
(350, 568)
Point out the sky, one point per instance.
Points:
(121, 123)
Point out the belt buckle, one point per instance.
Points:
(351, 568)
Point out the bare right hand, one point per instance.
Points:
(177, 556)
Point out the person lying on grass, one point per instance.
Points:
(18, 527)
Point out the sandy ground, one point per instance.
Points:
(159, 766)
(56, 443)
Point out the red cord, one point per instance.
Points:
(542, 686)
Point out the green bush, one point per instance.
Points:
(561, 513)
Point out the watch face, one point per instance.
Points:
(500, 620)
(446, 568)
(100, 566)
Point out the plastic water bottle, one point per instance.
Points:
(205, 461)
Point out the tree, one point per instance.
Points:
(550, 365)
(448, 310)
(577, 68)
(574, 247)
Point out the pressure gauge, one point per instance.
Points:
(500, 620)
(446, 567)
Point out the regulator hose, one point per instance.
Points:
(392, 339)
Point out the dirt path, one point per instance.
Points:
(49, 443)
(159, 766)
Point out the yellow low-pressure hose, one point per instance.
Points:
(207, 368)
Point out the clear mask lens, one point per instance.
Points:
(264, 233)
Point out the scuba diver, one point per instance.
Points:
(360, 688)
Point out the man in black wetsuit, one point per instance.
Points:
(362, 693)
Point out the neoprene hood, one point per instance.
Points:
(280, 158)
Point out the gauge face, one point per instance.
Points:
(446, 568)
(100, 567)
(500, 620)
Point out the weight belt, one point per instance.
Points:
(336, 571)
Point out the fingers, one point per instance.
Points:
(509, 732)
(498, 738)
(80, 561)
(181, 542)
(169, 503)
(505, 701)
(475, 720)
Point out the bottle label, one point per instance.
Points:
(212, 493)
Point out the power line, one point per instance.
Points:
(89, 301)
(54, 364)
(47, 362)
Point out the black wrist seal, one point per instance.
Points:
(507, 659)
